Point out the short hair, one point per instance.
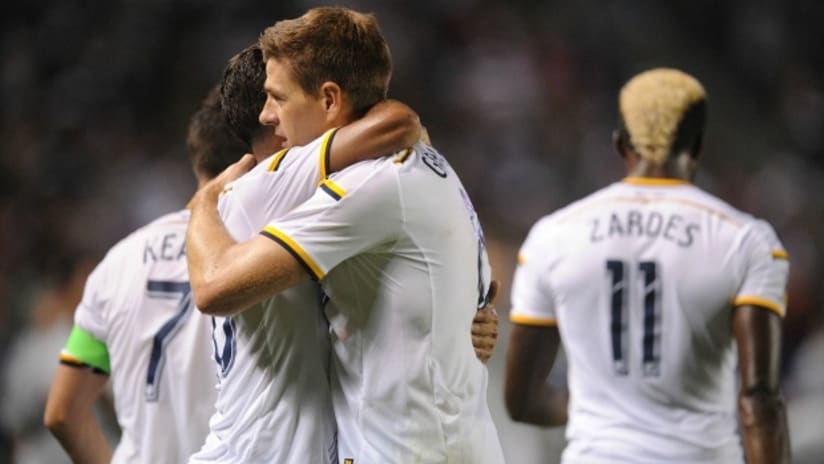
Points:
(242, 96)
(663, 112)
(333, 44)
(212, 146)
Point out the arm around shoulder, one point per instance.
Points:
(389, 126)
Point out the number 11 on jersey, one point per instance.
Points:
(623, 307)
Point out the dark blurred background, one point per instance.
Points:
(521, 96)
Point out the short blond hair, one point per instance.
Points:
(654, 106)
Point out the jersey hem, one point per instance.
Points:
(295, 250)
(762, 302)
(533, 321)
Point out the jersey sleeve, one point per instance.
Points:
(533, 302)
(86, 344)
(353, 211)
(765, 269)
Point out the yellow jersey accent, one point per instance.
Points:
(521, 259)
(757, 301)
(325, 147)
(403, 156)
(780, 254)
(337, 189)
(659, 181)
(533, 321)
(273, 166)
(69, 358)
(296, 250)
(644, 200)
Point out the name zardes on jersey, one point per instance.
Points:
(166, 247)
(652, 224)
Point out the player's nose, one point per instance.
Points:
(267, 116)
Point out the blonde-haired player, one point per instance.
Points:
(650, 283)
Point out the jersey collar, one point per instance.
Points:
(656, 181)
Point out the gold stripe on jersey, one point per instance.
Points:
(758, 301)
(645, 200)
(521, 259)
(403, 156)
(659, 181)
(66, 357)
(535, 321)
(295, 250)
(780, 254)
(326, 153)
(334, 190)
(275, 164)
(68, 360)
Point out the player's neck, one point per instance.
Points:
(671, 169)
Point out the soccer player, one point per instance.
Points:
(650, 283)
(136, 324)
(290, 419)
(391, 240)
(273, 403)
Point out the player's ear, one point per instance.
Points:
(332, 96)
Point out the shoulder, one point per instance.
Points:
(366, 177)
(759, 236)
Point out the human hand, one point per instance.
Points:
(485, 326)
(216, 186)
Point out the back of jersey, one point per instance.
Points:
(137, 302)
(641, 278)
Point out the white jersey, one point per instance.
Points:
(641, 278)
(398, 248)
(137, 302)
(273, 403)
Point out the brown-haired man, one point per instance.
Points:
(389, 239)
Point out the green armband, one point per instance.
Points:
(82, 348)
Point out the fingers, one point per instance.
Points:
(483, 348)
(239, 168)
(485, 333)
(485, 322)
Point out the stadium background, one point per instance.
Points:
(519, 95)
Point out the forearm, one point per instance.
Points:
(530, 356)
(226, 276)
(764, 427)
(82, 439)
(387, 127)
(207, 243)
(545, 406)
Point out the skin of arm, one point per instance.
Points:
(761, 408)
(530, 356)
(228, 277)
(69, 417)
(387, 127)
